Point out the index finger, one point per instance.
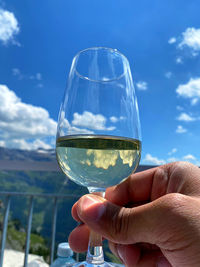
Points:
(136, 188)
(176, 177)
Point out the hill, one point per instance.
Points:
(37, 172)
(27, 155)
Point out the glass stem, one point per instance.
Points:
(95, 250)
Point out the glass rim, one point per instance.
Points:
(100, 48)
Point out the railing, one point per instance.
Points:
(31, 197)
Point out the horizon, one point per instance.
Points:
(38, 41)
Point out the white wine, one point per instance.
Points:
(97, 161)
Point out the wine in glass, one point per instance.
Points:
(98, 135)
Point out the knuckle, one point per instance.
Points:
(120, 224)
(173, 202)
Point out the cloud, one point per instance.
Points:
(185, 117)
(194, 101)
(91, 121)
(153, 160)
(17, 72)
(25, 145)
(8, 26)
(172, 159)
(21, 122)
(189, 157)
(168, 74)
(67, 129)
(37, 77)
(190, 90)
(114, 119)
(141, 85)
(172, 40)
(191, 39)
(174, 150)
(179, 108)
(180, 129)
(179, 60)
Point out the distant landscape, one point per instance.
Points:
(37, 172)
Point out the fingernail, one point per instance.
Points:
(163, 262)
(122, 253)
(92, 207)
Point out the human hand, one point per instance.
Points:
(150, 219)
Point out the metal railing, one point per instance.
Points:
(32, 197)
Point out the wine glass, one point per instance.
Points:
(98, 135)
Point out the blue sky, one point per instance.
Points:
(161, 39)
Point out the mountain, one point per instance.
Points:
(27, 155)
(38, 172)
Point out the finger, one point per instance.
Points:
(132, 225)
(152, 259)
(177, 177)
(128, 254)
(137, 187)
(74, 209)
(78, 238)
(74, 212)
(132, 255)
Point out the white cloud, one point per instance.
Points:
(179, 60)
(180, 129)
(174, 150)
(190, 90)
(194, 101)
(168, 74)
(25, 145)
(67, 129)
(153, 160)
(114, 119)
(91, 121)
(21, 122)
(191, 39)
(17, 72)
(37, 77)
(172, 40)
(179, 108)
(189, 157)
(141, 85)
(173, 159)
(8, 26)
(185, 117)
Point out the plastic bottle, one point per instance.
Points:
(64, 256)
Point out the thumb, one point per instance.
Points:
(128, 225)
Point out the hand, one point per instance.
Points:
(150, 219)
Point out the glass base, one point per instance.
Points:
(104, 264)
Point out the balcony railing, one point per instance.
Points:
(8, 196)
